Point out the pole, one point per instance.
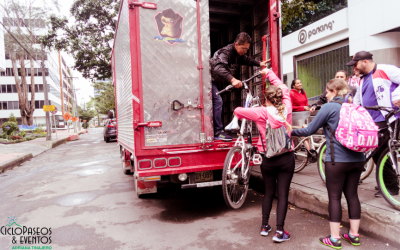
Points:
(61, 84)
(46, 100)
(74, 110)
(77, 112)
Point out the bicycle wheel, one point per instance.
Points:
(321, 162)
(300, 155)
(368, 167)
(387, 179)
(234, 186)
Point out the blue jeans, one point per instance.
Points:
(217, 109)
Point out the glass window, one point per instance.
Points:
(36, 88)
(14, 89)
(37, 104)
(41, 104)
(9, 88)
(41, 88)
(16, 104)
(4, 105)
(3, 88)
(10, 105)
(39, 72)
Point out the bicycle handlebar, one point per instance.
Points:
(244, 83)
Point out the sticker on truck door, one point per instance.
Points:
(169, 26)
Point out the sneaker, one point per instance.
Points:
(222, 136)
(265, 229)
(281, 236)
(354, 240)
(379, 194)
(330, 243)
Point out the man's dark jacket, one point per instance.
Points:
(225, 61)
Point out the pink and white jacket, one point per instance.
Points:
(263, 114)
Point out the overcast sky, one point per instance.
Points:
(84, 85)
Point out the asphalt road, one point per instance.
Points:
(79, 191)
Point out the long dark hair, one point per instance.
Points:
(294, 83)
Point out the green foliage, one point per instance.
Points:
(9, 128)
(299, 13)
(38, 130)
(87, 112)
(85, 125)
(12, 118)
(106, 99)
(22, 134)
(295, 9)
(89, 39)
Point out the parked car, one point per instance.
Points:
(110, 129)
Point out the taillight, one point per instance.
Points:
(110, 126)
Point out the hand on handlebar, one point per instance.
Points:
(396, 103)
(264, 71)
(236, 83)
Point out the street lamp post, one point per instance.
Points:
(46, 100)
(75, 112)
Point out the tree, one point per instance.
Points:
(294, 9)
(299, 13)
(89, 39)
(12, 118)
(22, 20)
(86, 112)
(106, 99)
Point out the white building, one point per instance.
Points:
(317, 51)
(57, 70)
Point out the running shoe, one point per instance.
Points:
(354, 240)
(330, 243)
(379, 194)
(265, 229)
(281, 236)
(222, 136)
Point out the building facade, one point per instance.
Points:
(315, 52)
(56, 74)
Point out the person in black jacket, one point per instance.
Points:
(222, 65)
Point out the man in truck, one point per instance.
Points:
(222, 65)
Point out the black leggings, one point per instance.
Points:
(277, 171)
(343, 177)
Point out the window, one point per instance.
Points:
(4, 105)
(37, 104)
(41, 88)
(3, 88)
(16, 104)
(9, 89)
(14, 89)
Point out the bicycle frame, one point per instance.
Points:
(313, 144)
(250, 103)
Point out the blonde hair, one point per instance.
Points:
(339, 85)
(274, 95)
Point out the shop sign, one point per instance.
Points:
(303, 34)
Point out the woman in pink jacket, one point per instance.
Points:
(276, 171)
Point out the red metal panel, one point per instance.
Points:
(274, 36)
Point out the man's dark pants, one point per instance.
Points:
(391, 181)
(217, 109)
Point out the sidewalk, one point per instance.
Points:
(378, 218)
(12, 155)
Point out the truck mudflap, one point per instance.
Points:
(144, 185)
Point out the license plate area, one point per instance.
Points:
(204, 176)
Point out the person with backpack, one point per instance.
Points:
(379, 85)
(278, 170)
(343, 166)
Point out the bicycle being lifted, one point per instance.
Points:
(387, 170)
(237, 165)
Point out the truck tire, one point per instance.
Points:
(107, 140)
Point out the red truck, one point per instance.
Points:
(160, 64)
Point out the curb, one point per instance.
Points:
(57, 143)
(315, 201)
(15, 162)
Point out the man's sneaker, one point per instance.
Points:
(354, 240)
(327, 241)
(222, 136)
(281, 236)
(265, 229)
(379, 194)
